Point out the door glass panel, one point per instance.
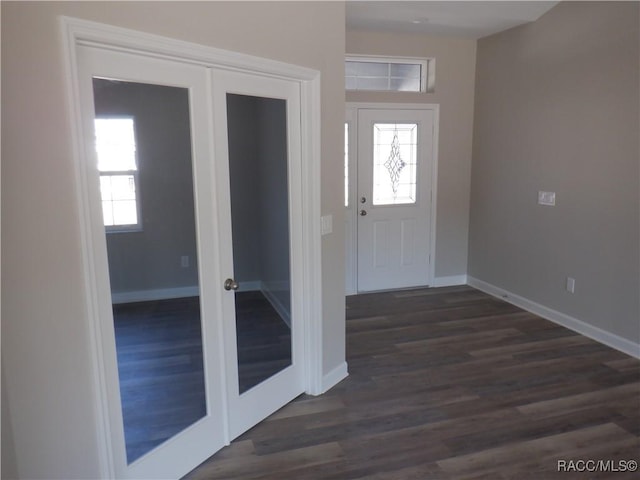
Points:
(258, 170)
(394, 163)
(346, 164)
(147, 180)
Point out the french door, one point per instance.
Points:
(192, 177)
(257, 124)
(392, 205)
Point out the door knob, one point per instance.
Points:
(231, 284)
(363, 213)
(363, 199)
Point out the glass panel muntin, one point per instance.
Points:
(394, 74)
(394, 163)
(383, 76)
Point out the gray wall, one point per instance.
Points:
(274, 202)
(150, 259)
(8, 467)
(455, 70)
(244, 184)
(259, 193)
(557, 109)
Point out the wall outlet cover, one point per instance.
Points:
(571, 285)
(326, 224)
(546, 198)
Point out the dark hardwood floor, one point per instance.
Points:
(450, 383)
(263, 340)
(159, 348)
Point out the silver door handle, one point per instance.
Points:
(231, 284)
(363, 213)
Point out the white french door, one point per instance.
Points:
(151, 92)
(393, 204)
(211, 163)
(258, 150)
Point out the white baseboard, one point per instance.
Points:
(334, 377)
(250, 286)
(155, 294)
(610, 339)
(270, 294)
(450, 281)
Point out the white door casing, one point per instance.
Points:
(93, 49)
(395, 242)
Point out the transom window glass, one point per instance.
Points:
(395, 75)
(394, 163)
(116, 148)
(346, 164)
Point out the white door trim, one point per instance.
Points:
(76, 33)
(352, 211)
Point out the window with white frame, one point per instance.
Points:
(117, 163)
(390, 74)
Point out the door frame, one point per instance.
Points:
(76, 33)
(351, 212)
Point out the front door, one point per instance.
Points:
(394, 198)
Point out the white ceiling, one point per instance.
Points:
(470, 19)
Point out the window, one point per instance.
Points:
(346, 164)
(390, 74)
(116, 148)
(394, 163)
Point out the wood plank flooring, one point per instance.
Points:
(450, 383)
(159, 348)
(162, 387)
(263, 340)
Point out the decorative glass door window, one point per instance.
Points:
(394, 163)
(116, 148)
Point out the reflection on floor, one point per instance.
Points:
(159, 352)
(264, 339)
(160, 366)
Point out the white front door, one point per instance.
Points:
(394, 198)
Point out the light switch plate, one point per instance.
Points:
(326, 224)
(547, 198)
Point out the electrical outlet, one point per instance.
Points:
(326, 225)
(571, 285)
(184, 261)
(547, 198)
